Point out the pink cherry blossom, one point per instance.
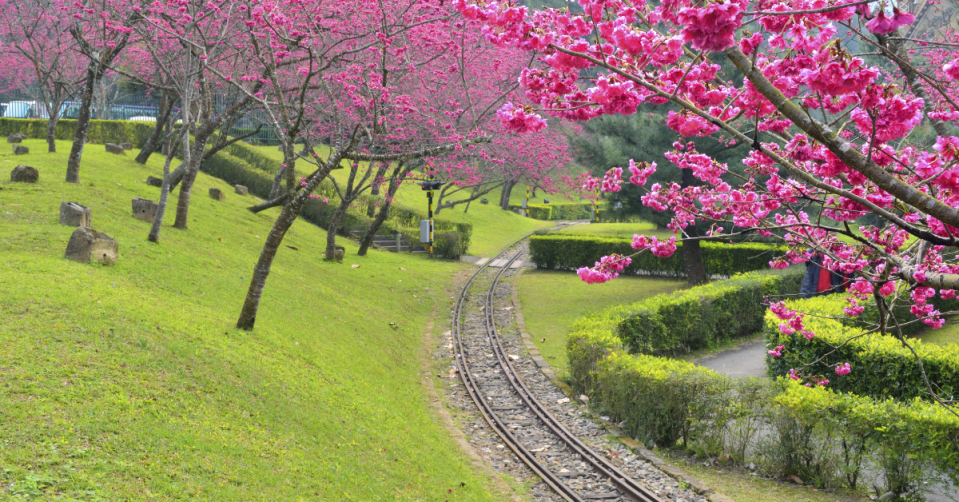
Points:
(843, 369)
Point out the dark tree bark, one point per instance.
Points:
(52, 127)
(334, 226)
(282, 225)
(82, 126)
(692, 253)
(153, 140)
(395, 180)
(504, 196)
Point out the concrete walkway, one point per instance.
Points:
(744, 361)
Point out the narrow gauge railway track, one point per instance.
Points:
(466, 352)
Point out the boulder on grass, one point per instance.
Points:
(242, 190)
(24, 174)
(20, 150)
(338, 252)
(144, 209)
(115, 149)
(87, 245)
(75, 215)
(484, 201)
(153, 181)
(126, 146)
(16, 137)
(216, 193)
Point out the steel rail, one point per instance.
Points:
(625, 484)
(629, 487)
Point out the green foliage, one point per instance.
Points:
(569, 252)
(448, 245)
(822, 436)
(557, 211)
(99, 132)
(703, 316)
(881, 366)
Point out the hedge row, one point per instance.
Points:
(563, 211)
(823, 437)
(99, 132)
(702, 316)
(881, 366)
(571, 251)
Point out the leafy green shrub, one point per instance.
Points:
(448, 245)
(562, 211)
(822, 436)
(881, 366)
(570, 251)
(699, 317)
(99, 132)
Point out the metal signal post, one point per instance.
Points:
(428, 186)
(527, 201)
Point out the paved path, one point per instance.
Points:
(744, 361)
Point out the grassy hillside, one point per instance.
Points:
(130, 383)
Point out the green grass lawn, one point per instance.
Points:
(623, 230)
(130, 382)
(551, 301)
(943, 336)
(493, 228)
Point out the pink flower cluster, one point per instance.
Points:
(662, 249)
(882, 24)
(843, 369)
(777, 352)
(606, 269)
(640, 174)
(712, 27)
(520, 119)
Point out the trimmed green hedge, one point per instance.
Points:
(100, 131)
(558, 211)
(702, 316)
(822, 436)
(881, 366)
(571, 251)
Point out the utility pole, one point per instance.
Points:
(527, 201)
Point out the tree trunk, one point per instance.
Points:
(334, 226)
(504, 196)
(377, 222)
(277, 180)
(191, 160)
(151, 143)
(164, 193)
(82, 127)
(692, 252)
(262, 268)
(52, 130)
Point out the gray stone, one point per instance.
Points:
(242, 190)
(153, 181)
(216, 193)
(16, 138)
(20, 150)
(87, 245)
(484, 201)
(75, 215)
(126, 146)
(144, 209)
(115, 149)
(24, 174)
(545, 201)
(338, 252)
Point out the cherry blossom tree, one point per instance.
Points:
(834, 136)
(36, 47)
(341, 95)
(101, 30)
